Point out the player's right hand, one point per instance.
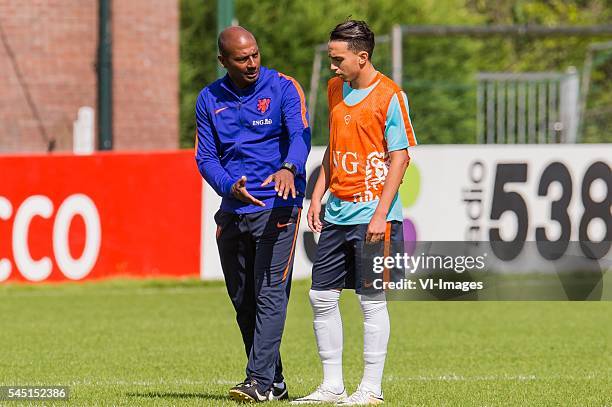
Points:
(314, 212)
(240, 192)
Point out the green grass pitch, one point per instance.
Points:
(166, 343)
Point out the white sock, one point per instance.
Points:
(328, 331)
(376, 329)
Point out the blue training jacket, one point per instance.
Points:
(251, 132)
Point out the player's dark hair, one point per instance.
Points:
(356, 34)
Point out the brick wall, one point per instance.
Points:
(145, 68)
(54, 43)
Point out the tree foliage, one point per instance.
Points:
(438, 72)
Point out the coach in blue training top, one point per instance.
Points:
(252, 143)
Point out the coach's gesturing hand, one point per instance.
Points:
(240, 192)
(283, 183)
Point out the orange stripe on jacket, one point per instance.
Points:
(407, 123)
(297, 227)
(196, 142)
(302, 97)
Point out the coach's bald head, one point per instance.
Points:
(232, 37)
(239, 54)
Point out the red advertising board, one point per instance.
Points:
(65, 218)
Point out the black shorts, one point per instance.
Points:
(341, 255)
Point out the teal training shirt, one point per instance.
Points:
(342, 212)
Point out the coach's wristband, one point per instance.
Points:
(289, 166)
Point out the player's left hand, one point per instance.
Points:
(376, 229)
(283, 183)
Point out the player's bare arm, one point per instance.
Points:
(314, 212)
(399, 162)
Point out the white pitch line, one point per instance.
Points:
(113, 292)
(453, 377)
(389, 378)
